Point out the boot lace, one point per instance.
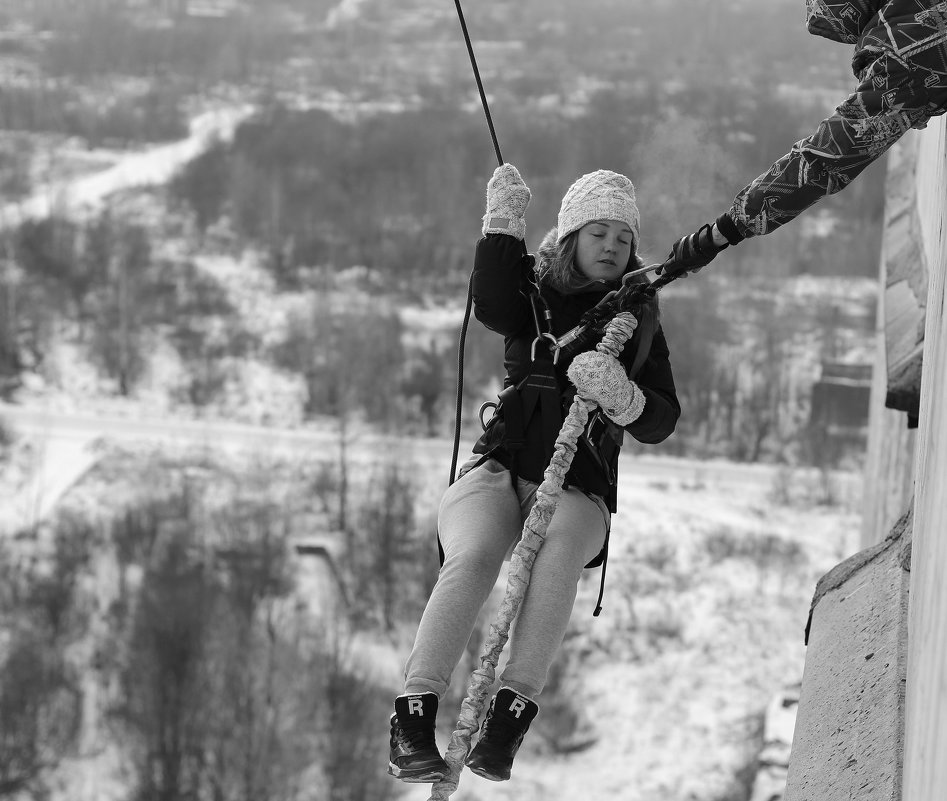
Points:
(416, 737)
(502, 733)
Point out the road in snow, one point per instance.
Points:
(151, 167)
(69, 444)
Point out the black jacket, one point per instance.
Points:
(501, 302)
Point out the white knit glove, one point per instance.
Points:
(600, 377)
(507, 199)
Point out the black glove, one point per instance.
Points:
(691, 253)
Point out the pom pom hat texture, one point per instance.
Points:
(599, 195)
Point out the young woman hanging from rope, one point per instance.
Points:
(534, 304)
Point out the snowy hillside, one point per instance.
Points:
(711, 572)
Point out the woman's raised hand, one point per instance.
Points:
(507, 199)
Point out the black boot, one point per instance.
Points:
(414, 756)
(501, 735)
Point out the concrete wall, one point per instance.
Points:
(896, 380)
(889, 461)
(925, 767)
(872, 720)
(905, 277)
(849, 727)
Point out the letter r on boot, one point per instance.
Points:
(415, 707)
(518, 706)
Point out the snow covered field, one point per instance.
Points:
(711, 572)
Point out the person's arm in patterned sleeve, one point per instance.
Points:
(893, 96)
(889, 101)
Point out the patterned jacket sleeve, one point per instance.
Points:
(892, 96)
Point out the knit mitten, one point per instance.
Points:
(507, 199)
(600, 377)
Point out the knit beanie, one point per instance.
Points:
(600, 195)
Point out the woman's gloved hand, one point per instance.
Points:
(507, 199)
(601, 378)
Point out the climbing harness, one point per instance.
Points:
(539, 396)
(582, 336)
(618, 331)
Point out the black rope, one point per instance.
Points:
(459, 407)
(483, 96)
(458, 410)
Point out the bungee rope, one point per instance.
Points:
(459, 402)
(617, 333)
(459, 406)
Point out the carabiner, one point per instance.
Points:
(483, 407)
(554, 347)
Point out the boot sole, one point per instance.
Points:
(486, 774)
(423, 776)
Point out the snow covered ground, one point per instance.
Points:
(45, 474)
(712, 569)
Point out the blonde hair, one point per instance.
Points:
(556, 268)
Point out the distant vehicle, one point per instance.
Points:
(773, 760)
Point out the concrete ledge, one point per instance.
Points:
(848, 741)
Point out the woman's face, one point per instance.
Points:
(603, 249)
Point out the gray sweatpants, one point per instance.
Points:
(479, 521)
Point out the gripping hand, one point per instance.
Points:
(691, 253)
(507, 199)
(601, 378)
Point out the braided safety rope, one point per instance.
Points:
(617, 333)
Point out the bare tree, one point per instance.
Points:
(40, 697)
(122, 317)
(40, 705)
(383, 560)
(221, 686)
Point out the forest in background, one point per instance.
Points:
(369, 152)
(691, 112)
